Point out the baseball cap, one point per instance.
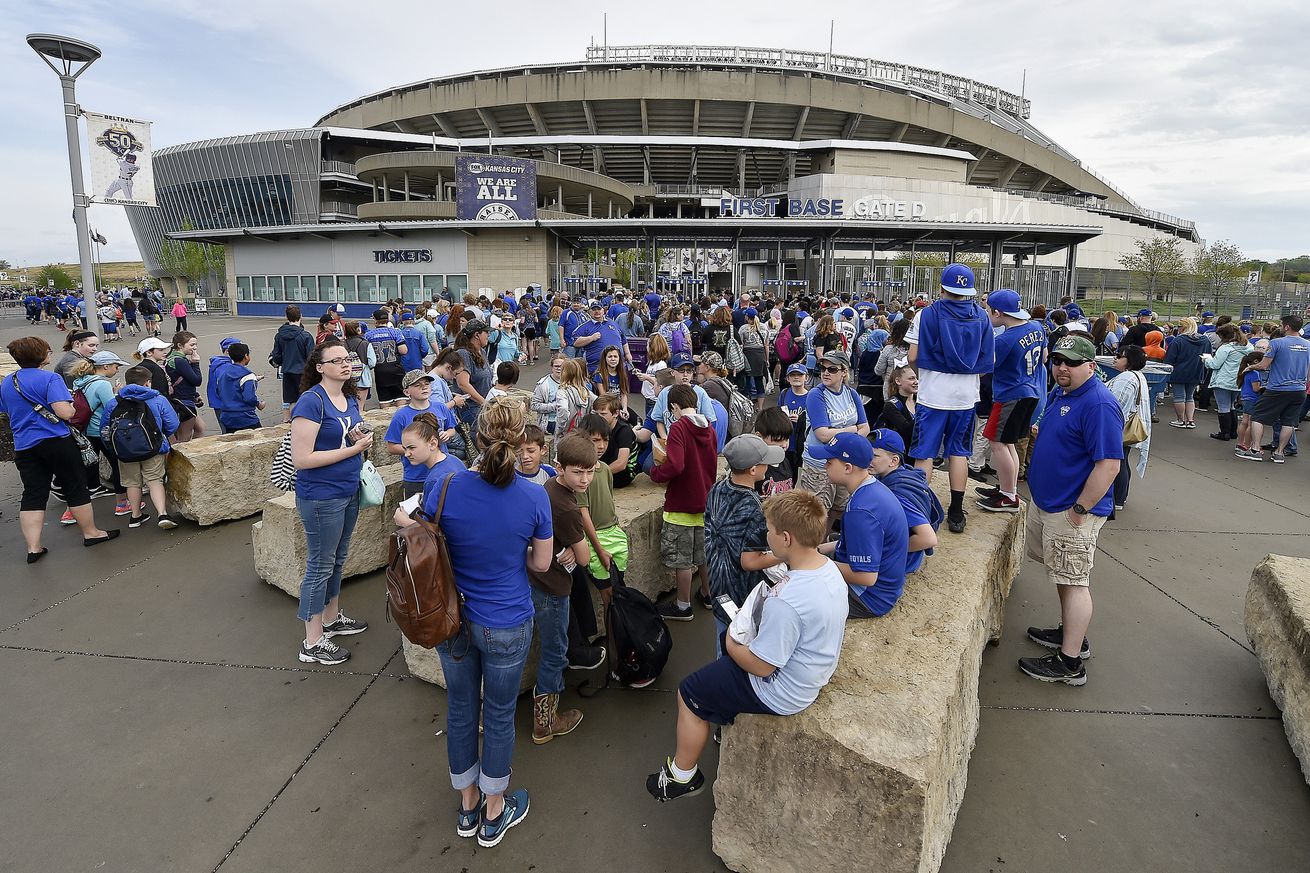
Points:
(406, 316)
(415, 376)
(958, 279)
(1077, 349)
(797, 368)
(151, 343)
(1143, 313)
(752, 312)
(432, 313)
(888, 440)
(920, 303)
(848, 313)
(596, 304)
(227, 341)
(852, 448)
(473, 327)
(841, 359)
(341, 308)
(680, 360)
(1006, 302)
(1244, 328)
(745, 451)
(713, 360)
(101, 359)
(1207, 314)
(381, 315)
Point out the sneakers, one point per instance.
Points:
(705, 600)
(344, 626)
(167, 523)
(67, 518)
(467, 824)
(977, 475)
(323, 652)
(1191, 425)
(138, 520)
(955, 523)
(1278, 458)
(1178, 423)
(670, 612)
(587, 658)
(492, 831)
(999, 503)
(1053, 638)
(988, 491)
(1052, 669)
(122, 507)
(663, 787)
(1118, 507)
(1250, 455)
(100, 491)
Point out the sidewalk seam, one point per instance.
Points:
(1152, 714)
(191, 663)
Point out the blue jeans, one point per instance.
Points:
(328, 526)
(552, 622)
(1224, 399)
(489, 666)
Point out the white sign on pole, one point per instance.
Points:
(1253, 277)
(122, 172)
(202, 305)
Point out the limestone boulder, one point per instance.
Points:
(7, 366)
(640, 510)
(875, 769)
(1278, 625)
(279, 537)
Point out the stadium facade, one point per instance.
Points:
(722, 166)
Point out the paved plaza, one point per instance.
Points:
(156, 717)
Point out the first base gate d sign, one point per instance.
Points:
(492, 188)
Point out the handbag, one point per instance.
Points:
(1134, 428)
(282, 473)
(89, 454)
(736, 358)
(372, 490)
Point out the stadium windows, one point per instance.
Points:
(411, 290)
(346, 289)
(388, 287)
(243, 288)
(368, 289)
(458, 285)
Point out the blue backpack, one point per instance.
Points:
(132, 432)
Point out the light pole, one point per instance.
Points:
(71, 53)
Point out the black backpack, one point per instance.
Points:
(639, 640)
(132, 432)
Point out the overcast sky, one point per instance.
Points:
(1198, 109)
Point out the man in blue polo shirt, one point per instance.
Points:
(593, 337)
(1287, 361)
(951, 345)
(1016, 385)
(872, 550)
(1075, 460)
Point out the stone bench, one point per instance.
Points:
(1278, 625)
(639, 508)
(279, 537)
(223, 477)
(875, 769)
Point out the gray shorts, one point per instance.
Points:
(681, 547)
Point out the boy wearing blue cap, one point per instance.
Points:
(923, 511)
(217, 363)
(1017, 381)
(873, 548)
(951, 345)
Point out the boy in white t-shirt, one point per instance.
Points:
(793, 655)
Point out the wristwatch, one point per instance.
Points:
(1080, 509)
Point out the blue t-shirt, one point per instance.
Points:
(1251, 379)
(1018, 360)
(403, 418)
(334, 480)
(802, 627)
(1079, 428)
(875, 537)
(435, 475)
(653, 302)
(492, 572)
(720, 423)
(660, 411)
(27, 424)
(791, 402)
(416, 349)
(1291, 364)
(913, 518)
(610, 335)
(824, 408)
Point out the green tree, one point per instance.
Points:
(4, 265)
(63, 281)
(1157, 262)
(1219, 266)
(193, 261)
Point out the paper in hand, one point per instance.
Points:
(409, 504)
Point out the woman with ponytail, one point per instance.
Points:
(483, 664)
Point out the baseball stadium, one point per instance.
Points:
(711, 166)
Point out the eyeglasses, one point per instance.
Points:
(1057, 361)
(834, 369)
(336, 362)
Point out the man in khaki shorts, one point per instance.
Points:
(1075, 460)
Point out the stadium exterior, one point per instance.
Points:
(724, 166)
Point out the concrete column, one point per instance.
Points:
(994, 264)
(386, 188)
(679, 209)
(589, 215)
(407, 186)
(1071, 271)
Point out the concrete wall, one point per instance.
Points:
(509, 258)
(348, 254)
(903, 165)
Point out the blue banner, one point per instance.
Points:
(492, 188)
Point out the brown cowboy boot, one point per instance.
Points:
(548, 722)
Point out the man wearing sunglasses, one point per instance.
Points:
(1075, 460)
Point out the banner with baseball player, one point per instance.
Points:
(121, 170)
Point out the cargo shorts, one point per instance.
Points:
(1066, 550)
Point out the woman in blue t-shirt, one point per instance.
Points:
(497, 526)
(39, 406)
(327, 441)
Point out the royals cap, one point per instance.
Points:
(958, 279)
(888, 440)
(1006, 302)
(680, 360)
(1143, 313)
(853, 448)
(797, 368)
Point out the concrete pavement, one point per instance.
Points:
(156, 717)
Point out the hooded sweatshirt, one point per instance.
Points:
(955, 336)
(185, 377)
(237, 397)
(910, 485)
(165, 417)
(98, 393)
(292, 347)
(1184, 353)
(690, 464)
(217, 363)
(1154, 347)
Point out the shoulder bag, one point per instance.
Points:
(88, 451)
(1134, 428)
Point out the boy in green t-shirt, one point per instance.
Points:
(609, 543)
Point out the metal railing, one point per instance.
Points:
(1092, 203)
(337, 207)
(870, 69)
(345, 168)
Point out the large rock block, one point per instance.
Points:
(425, 664)
(279, 537)
(1278, 626)
(7, 366)
(222, 477)
(875, 770)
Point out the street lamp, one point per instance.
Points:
(70, 58)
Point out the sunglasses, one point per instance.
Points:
(1058, 361)
(834, 369)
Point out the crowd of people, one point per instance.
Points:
(832, 416)
(120, 311)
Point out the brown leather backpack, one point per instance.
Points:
(421, 593)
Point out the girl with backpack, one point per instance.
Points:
(657, 358)
(362, 359)
(183, 368)
(573, 398)
(94, 380)
(328, 443)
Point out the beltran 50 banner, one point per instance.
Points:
(491, 188)
(121, 170)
